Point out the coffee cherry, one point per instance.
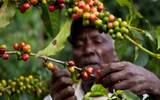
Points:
(21, 45)
(119, 35)
(25, 57)
(50, 66)
(111, 31)
(124, 24)
(75, 9)
(93, 9)
(81, 4)
(124, 30)
(87, 8)
(105, 19)
(111, 18)
(34, 2)
(71, 63)
(75, 16)
(27, 48)
(86, 22)
(70, 10)
(26, 5)
(22, 9)
(51, 8)
(86, 15)
(62, 5)
(115, 23)
(5, 56)
(60, 1)
(80, 12)
(85, 75)
(92, 17)
(98, 72)
(2, 51)
(101, 15)
(98, 22)
(119, 20)
(100, 8)
(16, 46)
(30, 77)
(110, 25)
(89, 70)
(71, 69)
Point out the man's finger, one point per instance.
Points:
(61, 83)
(62, 72)
(71, 98)
(112, 78)
(67, 92)
(112, 67)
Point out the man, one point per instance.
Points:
(90, 47)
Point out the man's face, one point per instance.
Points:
(93, 48)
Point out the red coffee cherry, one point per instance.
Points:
(2, 51)
(51, 8)
(25, 57)
(26, 5)
(5, 56)
(34, 2)
(60, 1)
(85, 75)
(89, 70)
(21, 45)
(16, 46)
(27, 48)
(71, 63)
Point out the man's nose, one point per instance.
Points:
(89, 50)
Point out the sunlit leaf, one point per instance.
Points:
(158, 37)
(130, 96)
(58, 42)
(98, 90)
(7, 11)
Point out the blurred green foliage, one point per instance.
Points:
(31, 27)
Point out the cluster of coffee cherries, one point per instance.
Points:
(89, 9)
(3, 52)
(24, 5)
(20, 85)
(93, 14)
(84, 73)
(23, 50)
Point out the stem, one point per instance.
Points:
(48, 58)
(142, 48)
(137, 29)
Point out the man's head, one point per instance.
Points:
(90, 47)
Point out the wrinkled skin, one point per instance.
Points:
(94, 48)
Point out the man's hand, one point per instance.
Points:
(61, 86)
(125, 75)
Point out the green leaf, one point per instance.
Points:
(51, 20)
(7, 11)
(58, 42)
(127, 95)
(158, 37)
(142, 58)
(124, 45)
(98, 90)
(133, 12)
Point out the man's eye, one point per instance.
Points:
(98, 41)
(78, 45)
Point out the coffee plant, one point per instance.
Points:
(94, 14)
